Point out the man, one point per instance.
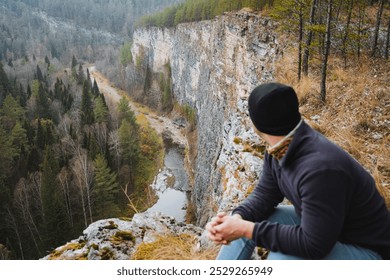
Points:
(336, 211)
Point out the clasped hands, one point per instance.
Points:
(222, 229)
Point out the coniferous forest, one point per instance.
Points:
(67, 157)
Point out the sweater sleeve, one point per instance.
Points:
(262, 201)
(323, 203)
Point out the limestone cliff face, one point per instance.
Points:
(214, 66)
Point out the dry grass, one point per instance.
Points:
(356, 114)
(181, 247)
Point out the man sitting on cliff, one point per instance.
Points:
(336, 211)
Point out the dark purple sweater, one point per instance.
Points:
(335, 197)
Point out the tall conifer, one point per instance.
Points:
(105, 191)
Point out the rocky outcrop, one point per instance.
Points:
(117, 239)
(214, 65)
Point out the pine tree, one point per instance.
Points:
(74, 62)
(124, 111)
(6, 153)
(86, 106)
(89, 78)
(73, 68)
(19, 139)
(54, 214)
(39, 74)
(81, 76)
(129, 142)
(95, 89)
(293, 14)
(29, 92)
(93, 147)
(129, 148)
(22, 96)
(47, 61)
(100, 111)
(34, 159)
(40, 141)
(43, 104)
(5, 85)
(11, 112)
(106, 190)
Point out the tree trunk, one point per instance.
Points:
(83, 171)
(326, 51)
(300, 39)
(12, 223)
(29, 220)
(87, 175)
(377, 26)
(346, 32)
(362, 8)
(64, 182)
(306, 54)
(387, 40)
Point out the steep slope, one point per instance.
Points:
(214, 65)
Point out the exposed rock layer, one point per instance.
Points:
(214, 66)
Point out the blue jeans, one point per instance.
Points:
(242, 249)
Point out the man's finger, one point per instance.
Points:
(210, 228)
(221, 214)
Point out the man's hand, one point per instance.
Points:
(223, 228)
(210, 227)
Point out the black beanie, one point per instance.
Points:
(274, 109)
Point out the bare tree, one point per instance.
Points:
(22, 204)
(5, 254)
(300, 38)
(309, 38)
(11, 222)
(114, 145)
(63, 178)
(326, 50)
(101, 135)
(387, 40)
(83, 170)
(346, 32)
(377, 26)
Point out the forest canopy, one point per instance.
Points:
(345, 27)
(67, 158)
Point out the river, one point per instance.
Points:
(171, 184)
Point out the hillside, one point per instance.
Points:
(355, 114)
(61, 29)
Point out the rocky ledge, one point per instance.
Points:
(118, 239)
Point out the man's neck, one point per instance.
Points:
(271, 140)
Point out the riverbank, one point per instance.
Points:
(172, 198)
